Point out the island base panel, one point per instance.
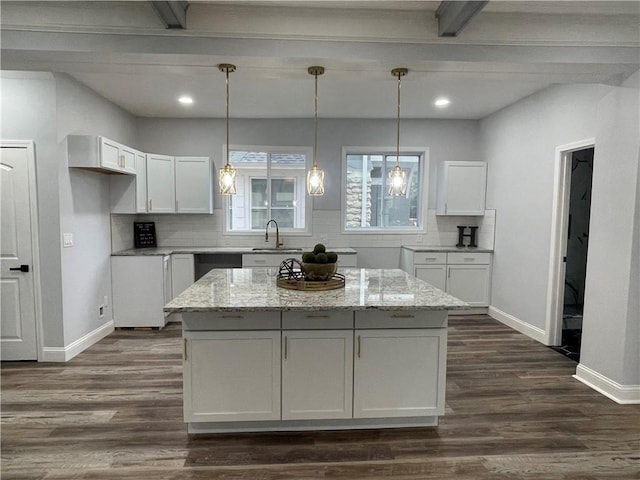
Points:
(304, 425)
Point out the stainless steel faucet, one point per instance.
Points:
(266, 233)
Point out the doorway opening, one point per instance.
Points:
(569, 247)
(576, 256)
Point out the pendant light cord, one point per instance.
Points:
(315, 122)
(227, 82)
(398, 126)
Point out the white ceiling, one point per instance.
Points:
(509, 51)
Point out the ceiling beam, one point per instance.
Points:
(172, 13)
(453, 15)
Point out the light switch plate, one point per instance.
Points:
(67, 240)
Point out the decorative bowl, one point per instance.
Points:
(319, 271)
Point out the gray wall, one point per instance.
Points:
(519, 144)
(84, 207)
(446, 139)
(29, 113)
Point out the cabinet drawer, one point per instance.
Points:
(426, 258)
(471, 258)
(401, 319)
(321, 319)
(192, 321)
(265, 260)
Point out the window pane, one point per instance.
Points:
(367, 203)
(270, 185)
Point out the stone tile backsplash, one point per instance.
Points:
(207, 231)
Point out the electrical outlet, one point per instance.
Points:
(67, 240)
(101, 311)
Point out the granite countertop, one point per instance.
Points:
(213, 250)
(446, 248)
(255, 289)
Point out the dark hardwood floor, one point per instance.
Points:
(513, 412)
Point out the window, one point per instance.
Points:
(367, 205)
(270, 184)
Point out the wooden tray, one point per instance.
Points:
(337, 281)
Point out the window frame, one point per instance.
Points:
(308, 204)
(423, 153)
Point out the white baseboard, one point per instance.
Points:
(622, 394)
(519, 325)
(64, 354)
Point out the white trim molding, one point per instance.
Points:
(622, 394)
(517, 324)
(64, 354)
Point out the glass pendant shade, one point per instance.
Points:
(315, 181)
(227, 174)
(397, 181)
(227, 180)
(397, 177)
(315, 176)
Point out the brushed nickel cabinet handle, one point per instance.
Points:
(185, 349)
(317, 316)
(402, 315)
(359, 349)
(150, 205)
(231, 316)
(285, 347)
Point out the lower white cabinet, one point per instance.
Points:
(231, 376)
(399, 373)
(317, 369)
(182, 272)
(141, 286)
(465, 275)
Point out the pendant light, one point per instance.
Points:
(315, 176)
(397, 177)
(227, 174)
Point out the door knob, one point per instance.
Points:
(21, 268)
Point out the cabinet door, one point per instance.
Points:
(193, 185)
(399, 373)
(161, 184)
(317, 370)
(182, 272)
(436, 275)
(138, 286)
(469, 283)
(128, 159)
(141, 183)
(461, 189)
(231, 376)
(110, 154)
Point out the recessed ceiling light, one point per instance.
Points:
(185, 100)
(442, 102)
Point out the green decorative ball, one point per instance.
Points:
(332, 257)
(309, 257)
(319, 248)
(321, 258)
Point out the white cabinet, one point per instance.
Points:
(182, 272)
(161, 191)
(469, 277)
(465, 275)
(129, 194)
(193, 185)
(100, 153)
(275, 259)
(317, 369)
(399, 373)
(461, 188)
(141, 286)
(231, 376)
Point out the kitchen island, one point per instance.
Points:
(258, 357)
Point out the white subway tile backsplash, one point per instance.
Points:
(207, 230)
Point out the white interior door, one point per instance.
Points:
(17, 290)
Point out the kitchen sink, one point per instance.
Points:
(280, 250)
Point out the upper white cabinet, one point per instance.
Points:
(127, 194)
(161, 191)
(100, 153)
(462, 188)
(193, 185)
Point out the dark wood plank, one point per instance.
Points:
(513, 412)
